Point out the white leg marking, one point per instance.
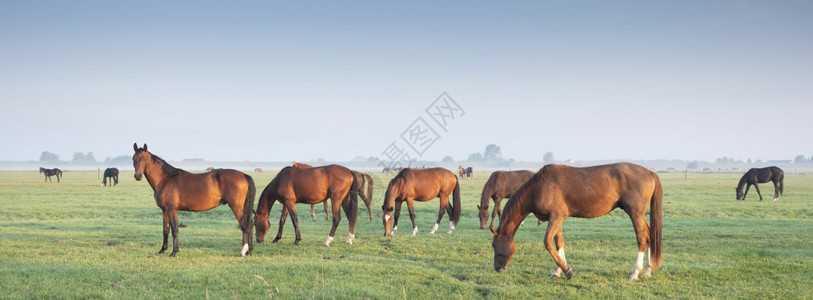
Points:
(451, 228)
(648, 272)
(639, 265)
(522, 223)
(774, 199)
(350, 238)
(558, 271)
(327, 243)
(434, 229)
(415, 231)
(245, 249)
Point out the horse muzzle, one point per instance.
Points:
(137, 176)
(499, 269)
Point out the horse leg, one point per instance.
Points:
(497, 211)
(313, 213)
(396, 215)
(744, 194)
(775, 191)
(282, 218)
(554, 227)
(327, 215)
(294, 220)
(559, 240)
(238, 211)
(337, 217)
(351, 224)
(756, 187)
(411, 207)
(166, 233)
(173, 225)
(642, 233)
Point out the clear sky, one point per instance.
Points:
(302, 80)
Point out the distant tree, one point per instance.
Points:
(48, 157)
(448, 159)
(811, 159)
(372, 159)
(475, 157)
(748, 161)
(80, 157)
(548, 158)
(692, 165)
(320, 160)
(492, 152)
(119, 160)
(799, 159)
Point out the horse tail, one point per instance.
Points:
(456, 208)
(351, 201)
(369, 180)
(248, 211)
(656, 224)
(782, 183)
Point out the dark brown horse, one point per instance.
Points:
(557, 192)
(51, 172)
(309, 186)
(421, 185)
(176, 189)
(762, 175)
(500, 185)
(113, 174)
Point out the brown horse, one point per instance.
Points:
(421, 185)
(51, 172)
(557, 192)
(363, 179)
(762, 175)
(176, 189)
(501, 184)
(310, 186)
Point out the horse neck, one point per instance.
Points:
(154, 171)
(742, 182)
(512, 215)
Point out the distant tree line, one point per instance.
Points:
(85, 158)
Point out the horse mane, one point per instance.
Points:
(165, 166)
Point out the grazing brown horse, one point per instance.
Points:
(762, 175)
(258, 170)
(113, 174)
(176, 189)
(557, 192)
(51, 172)
(310, 186)
(324, 203)
(421, 185)
(501, 184)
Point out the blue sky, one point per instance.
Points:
(274, 81)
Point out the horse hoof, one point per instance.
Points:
(173, 253)
(569, 273)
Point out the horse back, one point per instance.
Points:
(426, 184)
(313, 185)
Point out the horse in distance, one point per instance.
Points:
(178, 190)
(113, 174)
(557, 192)
(51, 172)
(761, 175)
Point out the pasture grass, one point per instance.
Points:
(75, 239)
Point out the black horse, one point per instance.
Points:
(762, 175)
(113, 174)
(51, 172)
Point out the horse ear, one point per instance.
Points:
(135, 147)
(493, 231)
(478, 206)
(145, 147)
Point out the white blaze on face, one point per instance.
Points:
(387, 218)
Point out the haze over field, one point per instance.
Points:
(264, 81)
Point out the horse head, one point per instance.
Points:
(140, 159)
(504, 248)
(483, 214)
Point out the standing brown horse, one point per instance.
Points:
(51, 172)
(310, 186)
(421, 185)
(324, 203)
(113, 174)
(176, 189)
(557, 192)
(762, 175)
(501, 184)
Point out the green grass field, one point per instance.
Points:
(75, 239)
